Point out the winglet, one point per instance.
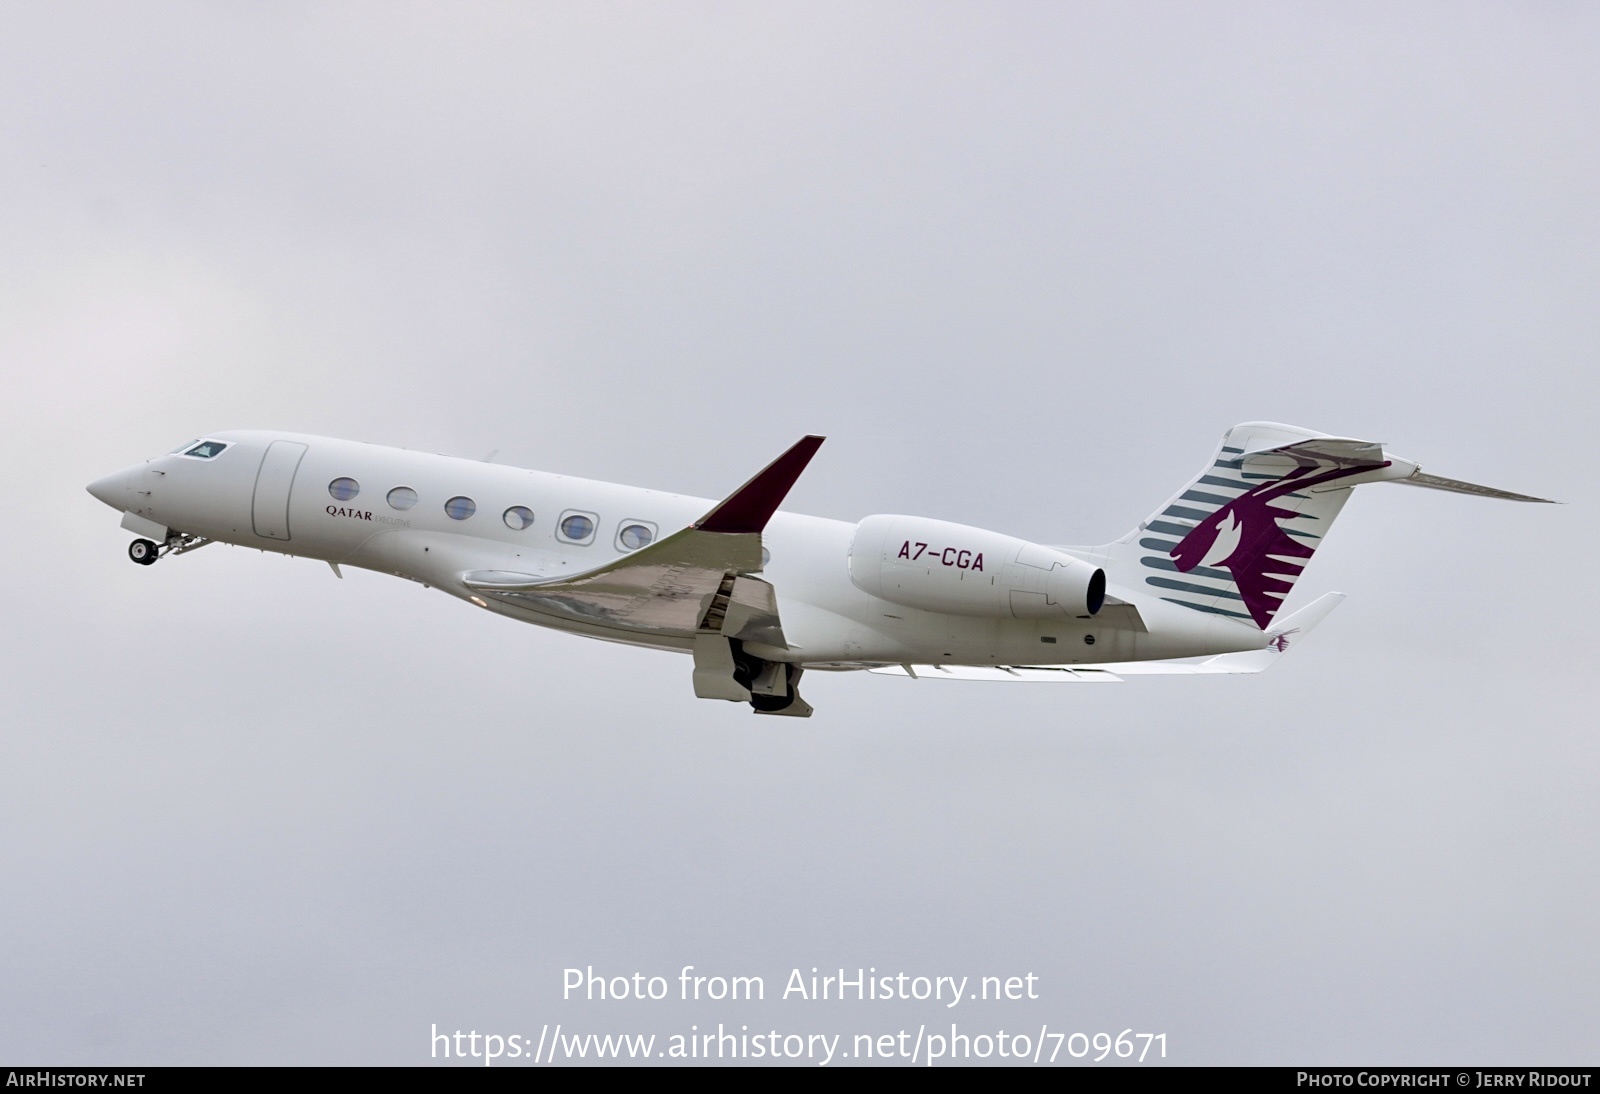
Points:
(748, 508)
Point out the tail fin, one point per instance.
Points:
(1238, 536)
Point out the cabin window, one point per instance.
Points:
(635, 534)
(402, 498)
(460, 508)
(518, 518)
(574, 527)
(207, 450)
(344, 489)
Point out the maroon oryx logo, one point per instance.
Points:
(1262, 561)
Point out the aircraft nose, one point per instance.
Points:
(112, 489)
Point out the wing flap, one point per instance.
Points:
(664, 588)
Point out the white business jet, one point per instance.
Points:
(758, 596)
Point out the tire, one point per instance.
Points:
(771, 704)
(143, 551)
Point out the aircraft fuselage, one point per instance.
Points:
(452, 516)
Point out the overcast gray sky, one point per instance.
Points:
(1022, 263)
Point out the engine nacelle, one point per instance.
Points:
(943, 567)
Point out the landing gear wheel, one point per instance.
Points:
(143, 551)
(771, 704)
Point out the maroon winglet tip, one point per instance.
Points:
(748, 508)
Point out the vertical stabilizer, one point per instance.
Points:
(1235, 540)
(1237, 537)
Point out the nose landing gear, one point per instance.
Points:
(146, 551)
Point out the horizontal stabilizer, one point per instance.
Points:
(1336, 451)
(1456, 486)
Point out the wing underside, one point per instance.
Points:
(686, 582)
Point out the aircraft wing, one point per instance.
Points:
(1279, 638)
(693, 580)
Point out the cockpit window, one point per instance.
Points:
(207, 450)
(184, 447)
